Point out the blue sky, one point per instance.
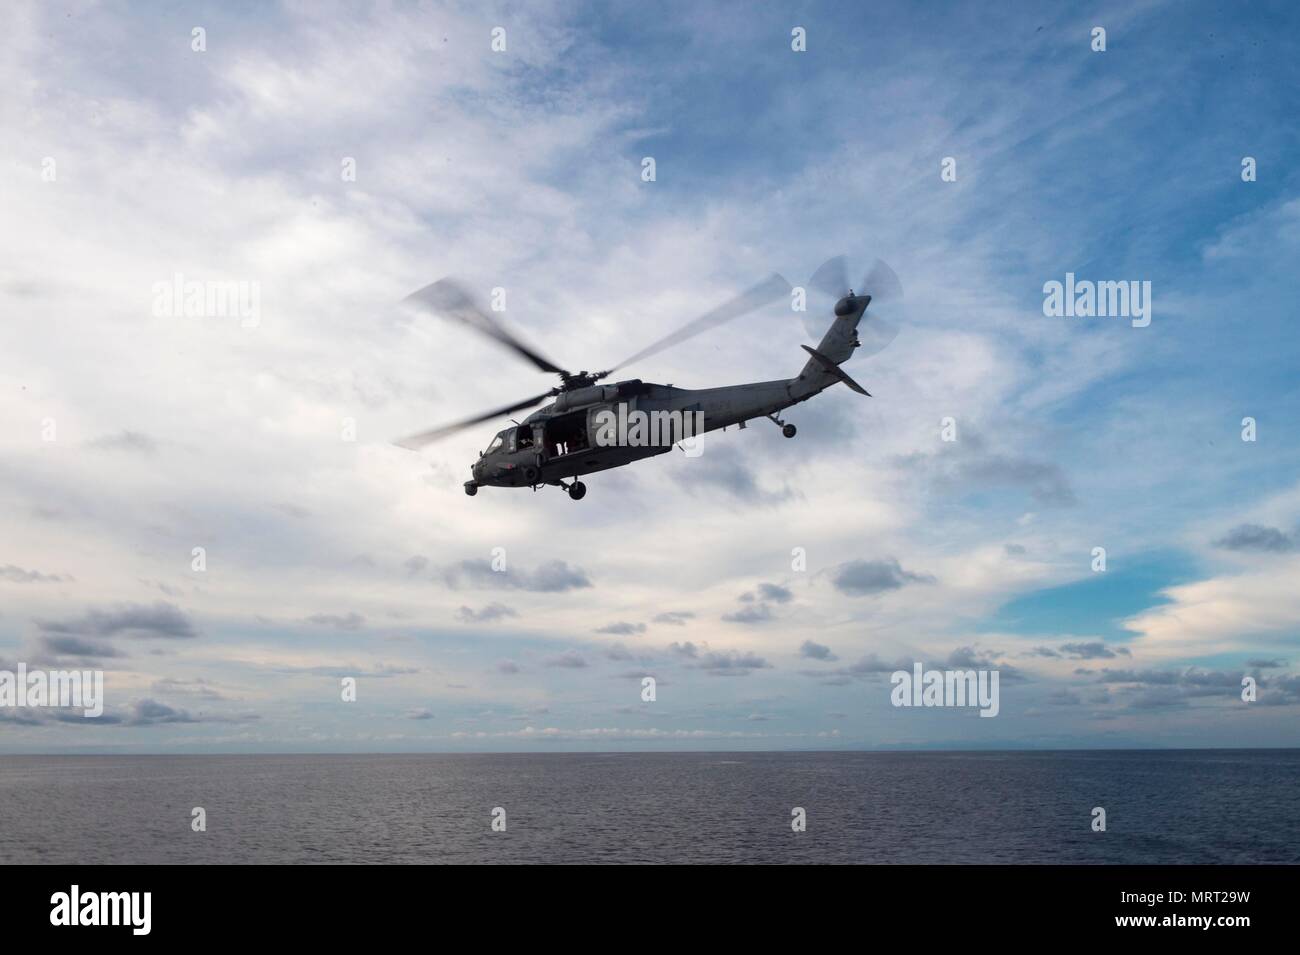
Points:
(522, 169)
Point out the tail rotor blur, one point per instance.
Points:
(882, 321)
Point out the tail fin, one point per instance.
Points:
(835, 348)
(835, 370)
(842, 337)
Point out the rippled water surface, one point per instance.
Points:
(1162, 807)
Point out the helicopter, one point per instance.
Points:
(585, 429)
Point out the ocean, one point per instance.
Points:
(1162, 807)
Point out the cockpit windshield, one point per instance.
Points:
(496, 443)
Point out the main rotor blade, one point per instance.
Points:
(449, 298)
(832, 278)
(770, 289)
(416, 441)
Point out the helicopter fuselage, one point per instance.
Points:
(603, 426)
(625, 422)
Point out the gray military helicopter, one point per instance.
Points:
(584, 429)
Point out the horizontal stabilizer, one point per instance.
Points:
(835, 370)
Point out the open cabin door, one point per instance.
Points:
(566, 434)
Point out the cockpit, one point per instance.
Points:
(511, 440)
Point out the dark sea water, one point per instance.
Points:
(1183, 806)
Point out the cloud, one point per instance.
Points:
(570, 660)
(622, 629)
(774, 593)
(639, 675)
(968, 658)
(816, 651)
(1064, 698)
(23, 716)
(161, 620)
(674, 618)
(507, 667)
(130, 441)
(1090, 650)
(419, 714)
(1153, 689)
(859, 578)
(20, 576)
(48, 716)
(868, 667)
(1253, 612)
(730, 663)
(153, 713)
(71, 645)
(493, 611)
(339, 671)
(758, 609)
(415, 565)
(202, 688)
(554, 576)
(872, 666)
(150, 712)
(723, 468)
(1192, 677)
(1256, 537)
(1093, 650)
(967, 464)
(350, 621)
(758, 613)
(718, 662)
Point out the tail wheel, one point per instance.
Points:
(789, 431)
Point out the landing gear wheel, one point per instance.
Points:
(471, 489)
(789, 431)
(577, 490)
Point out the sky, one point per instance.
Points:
(336, 157)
